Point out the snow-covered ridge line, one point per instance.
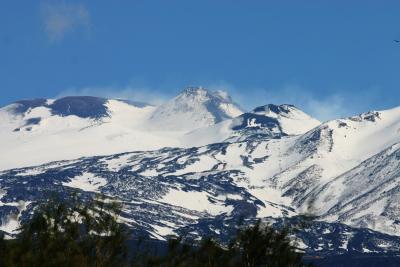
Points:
(76, 126)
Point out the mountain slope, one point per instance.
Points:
(366, 196)
(197, 191)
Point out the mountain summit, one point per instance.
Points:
(195, 107)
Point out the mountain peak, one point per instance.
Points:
(195, 107)
(203, 94)
(91, 107)
(284, 110)
(194, 90)
(282, 119)
(81, 106)
(277, 109)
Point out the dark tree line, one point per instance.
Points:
(70, 233)
(253, 246)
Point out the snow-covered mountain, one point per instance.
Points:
(72, 127)
(213, 166)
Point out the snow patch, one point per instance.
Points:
(192, 200)
(86, 182)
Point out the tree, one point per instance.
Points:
(206, 253)
(265, 246)
(254, 246)
(70, 233)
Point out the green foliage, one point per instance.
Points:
(182, 254)
(253, 246)
(69, 235)
(265, 246)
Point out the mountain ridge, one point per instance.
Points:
(71, 127)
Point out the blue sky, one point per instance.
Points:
(331, 58)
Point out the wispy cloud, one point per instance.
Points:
(329, 107)
(61, 18)
(326, 107)
(323, 107)
(142, 94)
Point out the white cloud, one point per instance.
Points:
(61, 18)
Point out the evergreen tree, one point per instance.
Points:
(265, 246)
(254, 246)
(73, 234)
